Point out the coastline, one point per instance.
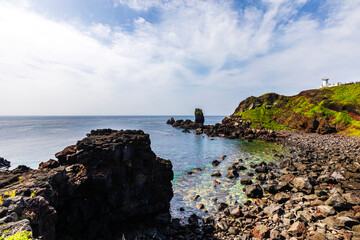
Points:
(315, 196)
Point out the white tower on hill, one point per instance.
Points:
(325, 82)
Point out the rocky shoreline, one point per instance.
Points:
(315, 196)
(314, 193)
(229, 128)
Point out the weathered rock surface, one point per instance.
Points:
(254, 191)
(4, 164)
(107, 184)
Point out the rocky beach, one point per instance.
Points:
(315, 196)
(312, 193)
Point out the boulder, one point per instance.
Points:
(216, 174)
(221, 207)
(281, 197)
(318, 236)
(303, 184)
(273, 209)
(261, 177)
(215, 163)
(260, 232)
(262, 168)
(338, 202)
(236, 212)
(246, 181)
(337, 176)
(298, 230)
(275, 234)
(324, 211)
(352, 198)
(340, 222)
(232, 174)
(254, 191)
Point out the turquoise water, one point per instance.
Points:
(31, 140)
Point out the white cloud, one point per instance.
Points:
(139, 5)
(199, 53)
(100, 30)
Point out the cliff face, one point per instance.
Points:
(102, 186)
(328, 110)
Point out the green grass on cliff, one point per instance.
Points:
(285, 111)
(345, 94)
(262, 117)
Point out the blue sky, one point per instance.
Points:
(140, 57)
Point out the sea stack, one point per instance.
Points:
(199, 116)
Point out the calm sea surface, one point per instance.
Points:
(31, 140)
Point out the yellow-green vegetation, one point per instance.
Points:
(198, 111)
(345, 94)
(336, 107)
(263, 117)
(24, 235)
(32, 194)
(7, 194)
(12, 193)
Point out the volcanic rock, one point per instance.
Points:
(171, 120)
(260, 232)
(4, 164)
(106, 184)
(246, 181)
(298, 230)
(254, 191)
(199, 116)
(215, 163)
(303, 184)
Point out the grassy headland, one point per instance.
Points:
(325, 110)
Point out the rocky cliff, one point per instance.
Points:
(105, 185)
(326, 110)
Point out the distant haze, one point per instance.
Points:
(167, 57)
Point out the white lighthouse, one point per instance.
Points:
(325, 82)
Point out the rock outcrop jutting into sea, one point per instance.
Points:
(107, 184)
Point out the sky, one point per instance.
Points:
(167, 57)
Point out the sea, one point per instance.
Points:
(30, 140)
